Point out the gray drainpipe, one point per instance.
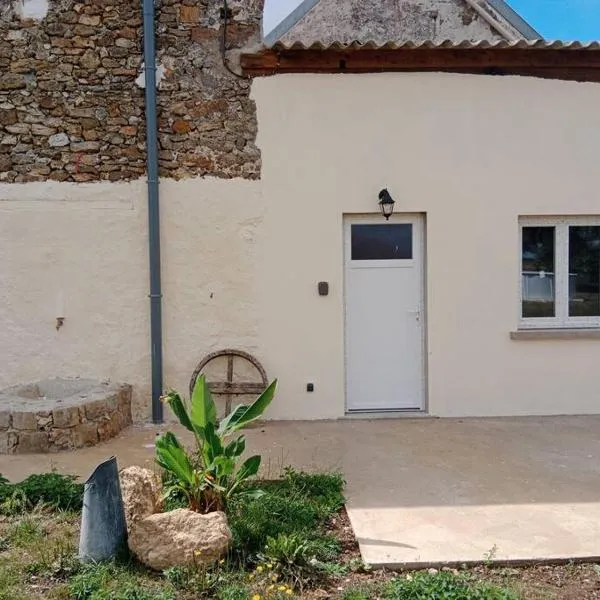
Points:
(153, 210)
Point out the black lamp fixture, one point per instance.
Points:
(386, 204)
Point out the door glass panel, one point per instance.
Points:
(382, 242)
(584, 271)
(537, 272)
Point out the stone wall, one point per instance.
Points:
(71, 97)
(53, 428)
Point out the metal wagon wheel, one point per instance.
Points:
(227, 386)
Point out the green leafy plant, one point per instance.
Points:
(213, 475)
(291, 556)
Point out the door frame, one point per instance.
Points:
(419, 220)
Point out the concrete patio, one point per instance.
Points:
(426, 491)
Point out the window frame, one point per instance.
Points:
(561, 320)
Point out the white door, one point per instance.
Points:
(384, 314)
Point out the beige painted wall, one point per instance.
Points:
(241, 259)
(471, 152)
(81, 250)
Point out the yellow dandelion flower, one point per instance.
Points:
(198, 552)
(282, 588)
(256, 597)
(251, 576)
(270, 566)
(289, 591)
(274, 577)
(259, 569)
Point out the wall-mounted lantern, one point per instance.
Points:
(386, 204)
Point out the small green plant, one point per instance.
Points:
(490, 555)
(443, 585)
(210, 478)
(290, 556)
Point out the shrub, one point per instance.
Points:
(444, 585)
(58, 492)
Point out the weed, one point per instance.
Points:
(233, 591)
(490, 555)
(359, 593)
(25, 532)
(443, 586)
(333, 569)
(290, 556)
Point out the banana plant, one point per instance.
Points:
(210, 478)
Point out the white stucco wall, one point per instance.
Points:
(472, 153)
(241, 259)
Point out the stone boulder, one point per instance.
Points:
(141, 491)
(178, 538)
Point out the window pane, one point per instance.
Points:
(584, 271)
(537, 272)
(382, 242)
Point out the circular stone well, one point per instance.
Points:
(62, 414)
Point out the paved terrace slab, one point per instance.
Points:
(425, 492)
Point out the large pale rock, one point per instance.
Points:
(141, 492)
(180, 537)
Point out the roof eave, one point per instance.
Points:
(553, 60)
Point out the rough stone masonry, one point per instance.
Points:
(70, 107)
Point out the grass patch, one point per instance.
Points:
(24, 532)
(111, 581)
(443, 586)
(299, 504)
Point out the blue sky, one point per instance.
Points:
(554, 19)
(562, 19)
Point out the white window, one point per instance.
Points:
(560, 272)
